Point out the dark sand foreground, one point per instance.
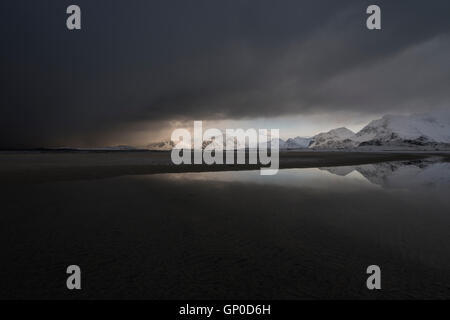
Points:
(301, 234)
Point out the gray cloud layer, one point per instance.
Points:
(153, 61)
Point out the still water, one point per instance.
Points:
(304, 233)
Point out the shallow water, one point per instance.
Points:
(304, 233)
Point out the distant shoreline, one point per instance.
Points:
(49, 166)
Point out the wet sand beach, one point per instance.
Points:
(63, 165)
(305, 233)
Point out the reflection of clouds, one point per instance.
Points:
(429, 173)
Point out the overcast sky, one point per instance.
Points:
(137, 69)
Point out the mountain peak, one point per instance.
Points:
(342, 131)
(339, 138)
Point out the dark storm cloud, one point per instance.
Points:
(152, 61)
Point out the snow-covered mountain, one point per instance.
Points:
(228, 143)
(340, 138)
(298, 143)
(418, 131)
(290, 144)
(401, 130)
(282, 145)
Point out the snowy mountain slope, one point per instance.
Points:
(292, 143)
(230, 143)
(298, 143)
(419, 129)
(340, 138)
(281, 144)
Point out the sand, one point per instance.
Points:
(64, 166)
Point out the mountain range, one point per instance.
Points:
(391, 132)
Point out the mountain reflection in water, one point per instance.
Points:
(430, 173)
